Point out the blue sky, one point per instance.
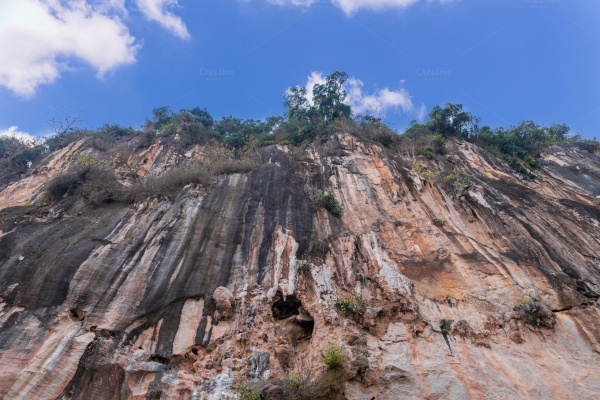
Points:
(116, 60)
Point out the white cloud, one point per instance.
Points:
(158, 11)
(106, 6)
(315, 78)
(421, 113)
(351, 6)
(304, 3)
(40, 38)
(14, 131)
(376, 103)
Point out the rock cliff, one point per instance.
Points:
(485, 289)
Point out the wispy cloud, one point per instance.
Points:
(351, 6)
(159, 11)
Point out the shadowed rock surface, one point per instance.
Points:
(487, 292)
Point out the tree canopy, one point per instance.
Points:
(308, 116)
(518, 145)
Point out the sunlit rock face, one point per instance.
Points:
(487, 292)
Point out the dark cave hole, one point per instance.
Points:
(284, 308)
(308, 326)
(159, 359)
(77, 314)
(289, 306)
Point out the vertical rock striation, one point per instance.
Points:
(485, 292)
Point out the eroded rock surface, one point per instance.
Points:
(237, 281)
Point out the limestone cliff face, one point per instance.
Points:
(238, 280)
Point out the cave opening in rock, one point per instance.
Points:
(285, 307)
(77, 314)
(159, 359)
(307, 326)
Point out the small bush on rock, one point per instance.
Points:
(428, 152)
(333, 358)
(458, 182)
(101, 185)
(296, 387)
(98, 184)
(354, 306)
(425, 173)
(327, 386)
(535, 312)
(249, 391)
(62, 185)
(328, 202)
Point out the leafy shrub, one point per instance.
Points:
(161, 116)
(328, 201)
(196, 126)
(101, 185)
(293, 382)
(519, 168)
(168, 184)
(457, 181)
(169, 129)
(418, 139)
(373, 128)
(535, 312)
(98, 184)
(231, 166)
(452, 121)
(439, 144)
(115, 131)
(333, 358)
(428, 152)
(8, 146)
(296, 387)
(518, 145)
(202, 116)
(18, 155)
(85, 161)
(305, 120)
(62, 185)
(300, 132)
(326, 386)
(354, 306)
(249, 391)
(286, 142)
(425, 173)
(531, 162)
